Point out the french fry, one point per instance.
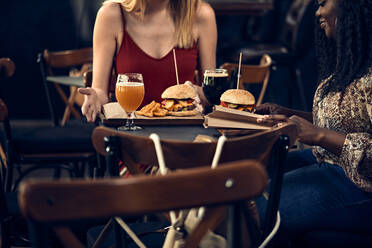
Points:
(160, 112)
(153, 109)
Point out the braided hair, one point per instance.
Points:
(350, 55)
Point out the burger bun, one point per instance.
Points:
(238, 96)
(179, 91)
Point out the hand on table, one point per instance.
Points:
(91, 106)
(307, 133)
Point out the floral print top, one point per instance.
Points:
(354, 118)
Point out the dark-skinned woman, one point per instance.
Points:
(329, 187)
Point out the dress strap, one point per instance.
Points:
(122, 16)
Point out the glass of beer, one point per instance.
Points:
(129, 92)
(215, 83)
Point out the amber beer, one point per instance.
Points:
(215, 83)
(129, 95)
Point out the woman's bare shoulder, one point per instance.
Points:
(109, 12)
(204, 13)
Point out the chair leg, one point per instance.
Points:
(280, 153)
(9, 177)
(233, 226)
(38, 234)
(70, 106)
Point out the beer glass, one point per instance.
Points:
(215, 83)
(129, 92)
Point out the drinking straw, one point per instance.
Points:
(175, 65)
(240, 65)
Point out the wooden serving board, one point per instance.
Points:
(114, 115)
(156, 121)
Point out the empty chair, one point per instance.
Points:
(41, 146)
(56, 205)
(252, 74)
(51, 63)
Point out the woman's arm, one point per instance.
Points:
(206, 29)
(310, 134)
(106, 27)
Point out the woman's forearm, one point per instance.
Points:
(331, 140)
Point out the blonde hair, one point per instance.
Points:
(183, 13)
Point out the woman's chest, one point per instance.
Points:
(347, 113)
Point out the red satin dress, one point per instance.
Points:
(158, 74)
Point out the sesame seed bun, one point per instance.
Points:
(180, 91)
(237, 96)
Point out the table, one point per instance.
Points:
(184, 133)
(74, 83)
(239, 7)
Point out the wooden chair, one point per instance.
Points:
(42, 146)
(50, 64)
(252, 74)
(267, 147)
(55, 205)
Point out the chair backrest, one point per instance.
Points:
(52, 63)
(7, 68)
(62, 202)
(252, 74)
(134, 149)
(67, 58)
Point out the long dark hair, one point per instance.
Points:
(350, 55)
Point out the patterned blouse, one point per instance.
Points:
(354, 118)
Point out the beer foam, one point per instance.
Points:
(129, 84)
(214, 74)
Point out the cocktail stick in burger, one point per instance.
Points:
(179, 100)
(238, 99)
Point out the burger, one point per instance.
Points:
(238, 99)
(179, 100)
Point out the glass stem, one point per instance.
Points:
(131, 125)
(128, 122)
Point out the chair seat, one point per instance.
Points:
(67, 139)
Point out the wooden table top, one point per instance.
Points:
(240, 7)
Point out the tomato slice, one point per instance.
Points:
(223, 104)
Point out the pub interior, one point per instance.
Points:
(295, 173)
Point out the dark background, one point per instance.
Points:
(29, 27)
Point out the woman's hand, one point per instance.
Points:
(307, 133)
(91, 106)
(271, 108)
(200, 100)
